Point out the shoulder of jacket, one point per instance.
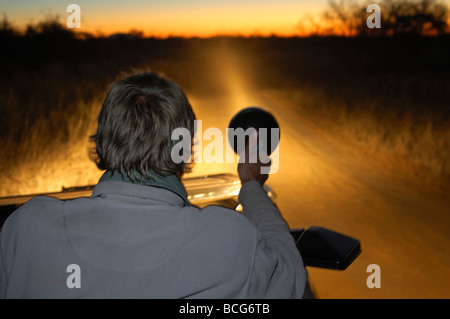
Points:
(35, 209)
(41, 203)
(226, 218)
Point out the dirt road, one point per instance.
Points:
(322, 180)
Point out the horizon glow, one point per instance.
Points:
(162, 18)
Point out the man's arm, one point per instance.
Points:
(278, 270)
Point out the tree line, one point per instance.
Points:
(398, 17)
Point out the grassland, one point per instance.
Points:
(387, 95)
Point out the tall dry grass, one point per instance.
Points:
(385, 96)
(417, 146)
(389, 96)
(51, 90)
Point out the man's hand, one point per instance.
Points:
(250, 168)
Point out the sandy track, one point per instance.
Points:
(323, 180)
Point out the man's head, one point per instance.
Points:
(135, 126)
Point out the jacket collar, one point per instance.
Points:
(169, 182)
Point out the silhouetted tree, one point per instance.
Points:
(398, 17)
(345, 16)
(6, 28)
(51, 27)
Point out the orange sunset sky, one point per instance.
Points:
(162, 18)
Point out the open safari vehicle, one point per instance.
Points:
(318, 246)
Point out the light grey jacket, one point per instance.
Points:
(136, 241)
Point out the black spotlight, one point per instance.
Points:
(257, 118)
